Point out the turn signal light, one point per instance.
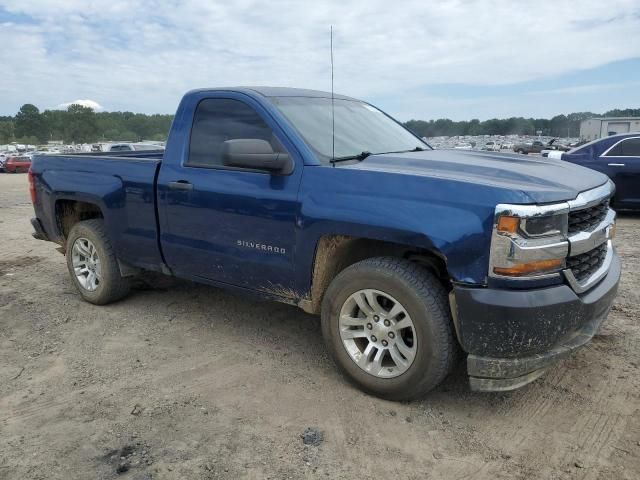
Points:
(507, 224)
(520, 269)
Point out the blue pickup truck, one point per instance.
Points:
(410, 255)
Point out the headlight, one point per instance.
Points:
(529, 241)
(549, 225)
(534, 227)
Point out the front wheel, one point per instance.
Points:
(93, 265)
(387, 325)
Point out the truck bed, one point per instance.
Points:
(122, 184)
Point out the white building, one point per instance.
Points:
(595, 128)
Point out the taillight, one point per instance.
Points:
(32, 187)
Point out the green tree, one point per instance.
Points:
(30, 123)
(80, 125)
(6, 131)
(55, 120)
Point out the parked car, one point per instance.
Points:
(526, 148)
(463, 146)
(3, 159)
(132, 147)
(408, 253)
(618, 157)
(17, 164)
(491, 147)
(538, 147)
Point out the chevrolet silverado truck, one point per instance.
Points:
(410, 255)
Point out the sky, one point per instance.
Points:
(420, 59)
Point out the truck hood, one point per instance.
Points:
(538, 179)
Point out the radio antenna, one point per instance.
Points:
(333, 117)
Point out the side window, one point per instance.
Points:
(219, 119)
(626, 148)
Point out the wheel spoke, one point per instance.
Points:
(376, 365)
(404, 323)
(373, 301)
(91, 278)
(361, 300)
(350, 334)
(395, 311)
(349, 321)
(405, 350)
(83, 249)
(366, 355)
(399, 360)
(82, 270)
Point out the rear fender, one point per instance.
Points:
(104, 191)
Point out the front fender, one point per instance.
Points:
(426, 213)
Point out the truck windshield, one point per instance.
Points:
(359, 127)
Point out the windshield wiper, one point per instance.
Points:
(360, 156)
(417, 149)
(365, 154)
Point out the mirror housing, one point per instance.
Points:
(255, 154)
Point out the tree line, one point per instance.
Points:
(79, 124)
(558, 126)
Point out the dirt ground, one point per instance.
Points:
(182, 381)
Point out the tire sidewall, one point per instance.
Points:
(423, 369)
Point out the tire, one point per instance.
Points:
(424, 300)
(111, 286)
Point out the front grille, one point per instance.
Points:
(585, 264)
(587, 219)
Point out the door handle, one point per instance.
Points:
(180, 185)
(616, 164)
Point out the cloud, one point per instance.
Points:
(92, 104)
(143, 55)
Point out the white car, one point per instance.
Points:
(552, 153)
(491, 147)
(131, 147)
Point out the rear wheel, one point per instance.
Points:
(387, 325)
(93, 265)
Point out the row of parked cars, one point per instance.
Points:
(16, 162)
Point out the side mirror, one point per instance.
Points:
(256, 154)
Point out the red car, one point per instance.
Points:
(17, 164)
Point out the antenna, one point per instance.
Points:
(333, 117)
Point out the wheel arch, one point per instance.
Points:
(68, 212)
(335, 252)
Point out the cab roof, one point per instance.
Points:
(277, 92)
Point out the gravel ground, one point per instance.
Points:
(184, 381)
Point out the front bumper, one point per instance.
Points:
(513, 336)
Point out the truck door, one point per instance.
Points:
(229, 224)
(623, 167)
